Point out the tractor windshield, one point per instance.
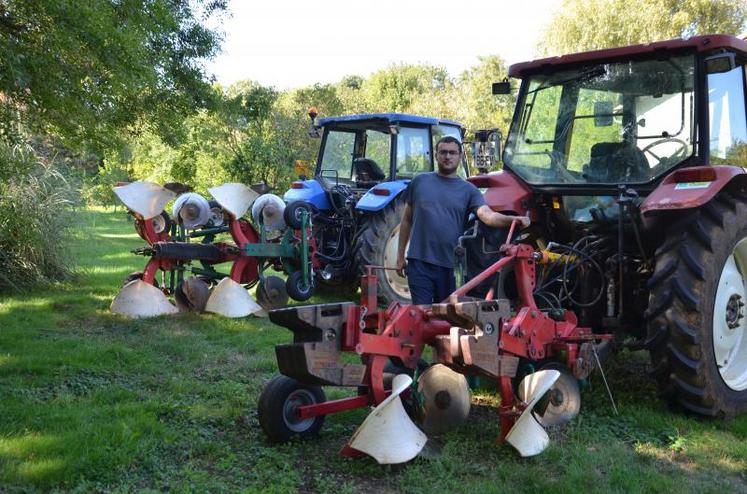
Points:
(613, 123)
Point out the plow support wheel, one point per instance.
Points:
(140, 299)
(527, 435)
(234, 198)
(144, 198)
(230, 299)
(388, 435)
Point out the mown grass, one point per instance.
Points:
(92, 402)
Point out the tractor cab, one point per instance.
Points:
(364, 150)
(628, 116)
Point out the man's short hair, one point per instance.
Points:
(451, 139)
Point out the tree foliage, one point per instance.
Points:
(581, 25)
(88, 70)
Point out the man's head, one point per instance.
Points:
(448, 155)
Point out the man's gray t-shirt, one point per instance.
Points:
(440, 208)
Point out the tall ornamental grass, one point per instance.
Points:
(35, 213)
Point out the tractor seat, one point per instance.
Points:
(615, 162)
(367, 172)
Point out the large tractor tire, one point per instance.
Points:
(697, 332)
(377, 245)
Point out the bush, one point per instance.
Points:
(35, 212)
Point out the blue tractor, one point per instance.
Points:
(355, 198)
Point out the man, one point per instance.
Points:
(438, 205)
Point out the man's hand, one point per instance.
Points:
(497, 220)
(401, 266)
(524, 221)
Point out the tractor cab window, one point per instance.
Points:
(726, 113)
(413, 152)
(337, 158)
(377, 154)
(439, 131)
(610, 123)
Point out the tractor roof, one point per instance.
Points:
(387, 119)
(697, 43)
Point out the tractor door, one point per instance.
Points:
(726, 111)
(413, 152)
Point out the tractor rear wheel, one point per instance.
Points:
(377, 244)
(697, 332)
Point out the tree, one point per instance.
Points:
(87, 70)
(581, 25)
(479, 107)
(395, 88)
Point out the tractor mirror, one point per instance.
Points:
(503, 87)
(603, 114)
(313, 127)
(722, 62)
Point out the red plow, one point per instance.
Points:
(479, 337)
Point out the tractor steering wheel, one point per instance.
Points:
(679, 154)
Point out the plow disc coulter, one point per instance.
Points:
(186, 250)
(531, 354)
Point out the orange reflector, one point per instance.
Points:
(381, 192)
(297, 185)
(695, 175)
(555, 203)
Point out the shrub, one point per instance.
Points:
(35, 212)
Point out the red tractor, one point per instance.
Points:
(629, 162)
(632, 158)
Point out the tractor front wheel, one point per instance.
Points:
(697, 330)
(278, 409)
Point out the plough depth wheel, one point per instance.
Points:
(278, 407)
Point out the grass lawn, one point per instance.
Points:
(92, 402)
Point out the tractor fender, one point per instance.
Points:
(692, 187)
(379, 196)
(309, 191)
(504, 192)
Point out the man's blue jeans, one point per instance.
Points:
(429, 283)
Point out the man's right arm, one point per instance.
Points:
(404, 236)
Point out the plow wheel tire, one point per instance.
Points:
(297, 289)
(277, 408)
(292, 213)
(377, 245)
(271, 293)
(697, 331)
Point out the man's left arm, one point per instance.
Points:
(495, 219)
(490, 217)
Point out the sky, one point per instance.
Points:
(289, 43)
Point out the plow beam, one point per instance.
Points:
(140, 299)
(144, 198)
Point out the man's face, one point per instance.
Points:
(448, 157)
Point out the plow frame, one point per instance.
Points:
(292, 251)
(403, 330)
